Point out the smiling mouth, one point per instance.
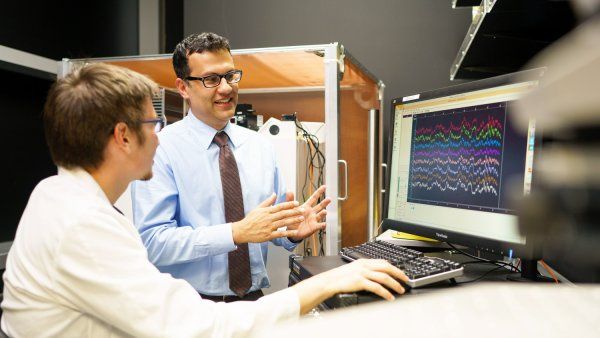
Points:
(223, 101)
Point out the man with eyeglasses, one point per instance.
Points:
(77, 266)
(203, 217)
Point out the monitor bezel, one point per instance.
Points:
(528, 250)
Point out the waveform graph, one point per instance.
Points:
(456, 157)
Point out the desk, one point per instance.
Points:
(472, 310)
(304, 267)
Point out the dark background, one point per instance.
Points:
(53, 29)
(408, 44)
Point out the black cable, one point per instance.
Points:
(317, 154)
(321, 247)
(500, 263)
(314, 154)
(482, 276)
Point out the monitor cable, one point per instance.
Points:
(500, 264)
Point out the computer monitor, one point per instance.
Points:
(455, 158)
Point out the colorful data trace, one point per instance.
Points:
(456, 156)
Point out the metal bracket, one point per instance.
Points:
(488, 5)
(380, 89)
(345, 180)
(383, 174)
(341, 64)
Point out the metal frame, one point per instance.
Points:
(479, 13)
(333, 239)
(27, 63)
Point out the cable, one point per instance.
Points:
(482, 276)
(376, 231)
(500, 263)
(315, 162)
(547, 268)
(314, 154)
(477, 262)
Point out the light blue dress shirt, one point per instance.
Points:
(180, 212)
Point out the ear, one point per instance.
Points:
(182, 88)
(122, 137)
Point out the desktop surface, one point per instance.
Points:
(313, 265)
(477, 310)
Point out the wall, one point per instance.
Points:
(71, 28)
(54, 30)
(408, 44)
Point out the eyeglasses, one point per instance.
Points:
(158, 124)
(214, 80)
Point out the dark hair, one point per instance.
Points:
(196, 43)
(83, 108)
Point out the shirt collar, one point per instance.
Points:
(84, 179)
(206, 133)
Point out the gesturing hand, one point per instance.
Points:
(261, 224)
(313, 215)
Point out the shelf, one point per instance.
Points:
(465, 3)
(505, 34)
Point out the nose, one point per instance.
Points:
(224, 87)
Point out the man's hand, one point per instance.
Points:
(374, 275)
(261, 224)
(366, 274)
(313, 215)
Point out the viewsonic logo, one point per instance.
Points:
(441, 235)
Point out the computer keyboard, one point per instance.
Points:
(420, 269)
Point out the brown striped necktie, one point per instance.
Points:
(240, 278)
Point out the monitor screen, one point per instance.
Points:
(456, 158)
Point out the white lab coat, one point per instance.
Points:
(77, 268)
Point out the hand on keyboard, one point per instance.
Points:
(374, 275)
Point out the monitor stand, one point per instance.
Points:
(529, 273)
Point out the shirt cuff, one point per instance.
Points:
(293, 241)
(217, 239)
(288, 244)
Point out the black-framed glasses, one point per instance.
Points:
(158, 123)
(214, 80)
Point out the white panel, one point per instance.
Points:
(149, 23)
(17, 57)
